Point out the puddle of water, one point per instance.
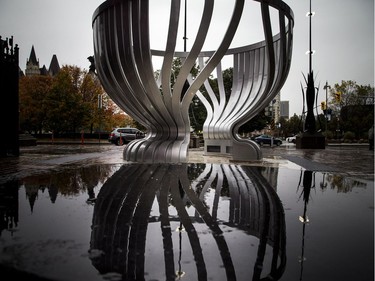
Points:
(188, 222)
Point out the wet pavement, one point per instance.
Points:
(74, 212)
(354, 160)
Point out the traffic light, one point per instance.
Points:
(338, 96)
(323, 105)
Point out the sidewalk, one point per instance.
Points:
(73, 141)
(353, 160)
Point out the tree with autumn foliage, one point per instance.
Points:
(66, 110)
(352, 107)
(33, 109)
(67, 102)
(350, 93)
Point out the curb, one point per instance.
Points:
(103, 142)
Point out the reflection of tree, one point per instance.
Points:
(67, 182)
(122, 215)
(344, 184)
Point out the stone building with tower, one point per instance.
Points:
(33, 68)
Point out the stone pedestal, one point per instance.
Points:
(218, 147)
(312, 141)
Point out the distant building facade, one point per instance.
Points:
(276, 108)
(284, 109)
(33, 68)
(273, 109)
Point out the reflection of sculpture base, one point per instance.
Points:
(245, 150)
(308, 140)
(157, 222)
(157, 150)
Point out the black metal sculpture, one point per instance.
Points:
(310, 138)
(310, 97)
(92, 68)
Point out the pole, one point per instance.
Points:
(326, 87)
(272, 122)
(325, 115)
(185, 26)
(100, 105)
(310, 44)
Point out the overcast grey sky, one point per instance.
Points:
(343, 36)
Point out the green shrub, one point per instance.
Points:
(349, 136)
(328, 134)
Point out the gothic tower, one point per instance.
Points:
(54, 66)
(32, 64)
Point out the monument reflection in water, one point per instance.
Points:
(114, 222)
(199, 221)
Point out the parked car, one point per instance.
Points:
(266, 139)
(291, 139)
(253, 137)
(120, 136)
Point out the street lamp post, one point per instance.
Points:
(100, 106)
(185, 26)
(272, 125)
(326, 87)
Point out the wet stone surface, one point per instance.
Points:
(76, 213)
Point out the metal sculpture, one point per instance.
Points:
(259, 71)
(123, 60)
(167, 200)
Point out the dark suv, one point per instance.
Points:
(120, 136)
(266, 139)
